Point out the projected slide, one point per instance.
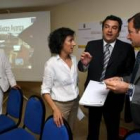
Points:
(18, 51)
(24, 38)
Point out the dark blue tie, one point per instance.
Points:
(136, 67)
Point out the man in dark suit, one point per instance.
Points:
(130, 85)
(121, 60)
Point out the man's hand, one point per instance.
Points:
(114, 79)
(117, 86)
(85, 58)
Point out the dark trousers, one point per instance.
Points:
(112, 121)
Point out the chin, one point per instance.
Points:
(109, 40)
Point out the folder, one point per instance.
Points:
(95, 94)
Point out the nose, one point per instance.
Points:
(110, 29)
(128, 36)
(73, 43)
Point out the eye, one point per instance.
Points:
(130, 32)
(115, 27)
(106, 26)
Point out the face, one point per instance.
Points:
(110, 31)
(68, 45)
(133, 35)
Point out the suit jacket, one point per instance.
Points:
(136, 95)
(6, 76)
(120, 64)
(135, 103)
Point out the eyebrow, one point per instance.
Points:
(112, 26)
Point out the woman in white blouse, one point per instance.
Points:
(60, 80)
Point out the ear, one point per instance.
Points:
(139, 31)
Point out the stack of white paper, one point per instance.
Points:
(95, 94)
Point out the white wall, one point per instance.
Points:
(72, 13)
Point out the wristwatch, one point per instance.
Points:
(130, 89)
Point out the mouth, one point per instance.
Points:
(109, 35)
(71, 49)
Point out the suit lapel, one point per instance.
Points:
(115, 53)
(99, 52)
(137, 75)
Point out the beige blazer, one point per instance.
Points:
(7, 78)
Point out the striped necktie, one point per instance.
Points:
(106, 60)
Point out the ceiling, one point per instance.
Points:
(6, 4)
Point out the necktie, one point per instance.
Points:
(127, 110)
(136, 67)
(106, 60)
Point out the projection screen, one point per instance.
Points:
(24, 38)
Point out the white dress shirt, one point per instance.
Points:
(111, 46)
(59, 80)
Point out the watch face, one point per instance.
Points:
(130, 91)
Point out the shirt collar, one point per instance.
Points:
(58, 57)
(112, 44)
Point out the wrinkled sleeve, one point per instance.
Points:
(8, 70)
(47, 79)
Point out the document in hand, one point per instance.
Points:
(95, 94)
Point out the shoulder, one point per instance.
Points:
(51, 61)
(123, 43)
(124, 46)
(94, 45)
(95, 41)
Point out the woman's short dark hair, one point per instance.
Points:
(57, 37)
(136, 21)
(115, 18)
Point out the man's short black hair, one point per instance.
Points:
(115, 18)
(136, 21)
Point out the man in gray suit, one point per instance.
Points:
(127, 85)
(6, 76)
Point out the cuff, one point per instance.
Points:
(130, 91)
(85, 67)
